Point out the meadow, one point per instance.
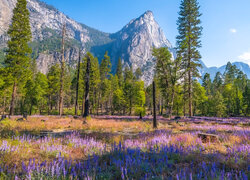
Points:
(113, 147)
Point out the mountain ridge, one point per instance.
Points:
(244, 67)
(133, 43)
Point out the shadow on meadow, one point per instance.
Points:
(158, 162)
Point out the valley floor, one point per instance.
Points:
(123, 147)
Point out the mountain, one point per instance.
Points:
(46, 24)
(133, 43)
(245, 68)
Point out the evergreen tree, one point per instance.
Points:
(218, 105)
(105, 67)
(128, 89)
(41, 83)
(77, 82)
(207, 84)
(188, 42)
(53, 77)
(246, 99)
(118, 99)
(138, 74)
(168, 72)
(18, 53)
(217, 83)
(119, 72)
(230, 73)
(87, 79)
(94, 82)
(199, 98)
(140, 98)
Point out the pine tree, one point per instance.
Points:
(119, 72)
(217, 83)
(168, 72)
(41, 83)
(207, 84)
(87, 79)
(188, 42)
(140, 98)
(18, 53)
(128, 89)
(138, 74)
(105, 67)
(218, 105)
(230, 73)
(154, 107)
(246, 99)
(53, 77)
(77, 82)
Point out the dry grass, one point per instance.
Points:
(69, 123)
(182, 134)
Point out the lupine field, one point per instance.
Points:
(124, 148)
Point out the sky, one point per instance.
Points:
(226, 23)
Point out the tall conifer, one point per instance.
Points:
(188, 42)
(18, 54)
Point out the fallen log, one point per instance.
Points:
(205, 137)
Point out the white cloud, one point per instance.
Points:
(245, 57)
(233, 30)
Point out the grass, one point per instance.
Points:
(112, 140)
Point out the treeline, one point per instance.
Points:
(226, 95)
(122, 93)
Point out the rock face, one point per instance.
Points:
(46, 21)
(43, 16)
(133, 43)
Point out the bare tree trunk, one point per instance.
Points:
(172, 102)
(4, 105)
(130, 106)
(162, 106)
(86, 108)
(12, 103)
(189, 79)
(184, 95)
(31, 106)
(77, 82)
(98, 103)
(190, 93)
(62, 73)
(154, 107)
(82, 105)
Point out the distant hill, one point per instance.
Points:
(245, 68)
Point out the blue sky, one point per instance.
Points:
(226, 23)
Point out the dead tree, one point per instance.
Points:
(154, 107)
(62, 73)
(87, 79)
(77, 82)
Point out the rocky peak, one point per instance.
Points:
(135, 42)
